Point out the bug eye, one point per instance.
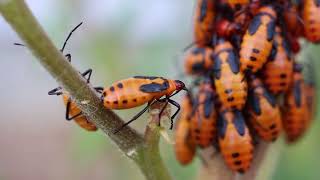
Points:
(179, 85)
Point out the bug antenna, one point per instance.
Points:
(65, 42)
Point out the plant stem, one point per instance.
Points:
(132, 144)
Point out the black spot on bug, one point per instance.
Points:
(104, 94)
(134, 100)
(237, 163)
(235, 155)
(111, 88)
(254, 50)
(230, 99)
(253, 58)
(249, 67)
(125, 101)
(241, 170)
(273, 126)
(108, 102)
(198, 67)
(254, 25)
(283, 76)
(237, 7)
(115, 102)
(120, 85)
(228, 91)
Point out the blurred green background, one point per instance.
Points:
(119, 39)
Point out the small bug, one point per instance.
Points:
(311, 19)
(292, 20)
(203, 22)
(72, 110)
(295, 109)
(138, 90)
(277, 72)
(264, 113)
(235, 141)
(198, 60)
(203, 123)
(228, 79)
(257, 41)
(185, 147)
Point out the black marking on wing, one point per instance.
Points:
(239, 123)
(286, 47)
(271, 29)
(233, 61)
(154, 87)
(222, 126)
(254, 25)
(274, 51)
(146, 77)
(198, 50)
(198, 67)
(270, 98)
(208, 105)
(217, 67)
(297, 93)
(203, 10)
(254, 103)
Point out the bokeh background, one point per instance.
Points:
(119, 39)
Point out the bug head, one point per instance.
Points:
(180, 85)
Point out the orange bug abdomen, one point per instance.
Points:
(295, 110)
(311, 19)
(198, 61)
(136, 91)
(229, 81)
(235, 141)
(264, 113)
(203, 122)
(81, 120)
(185, 147)
(257, 41)
(277, 72)
(203, 22)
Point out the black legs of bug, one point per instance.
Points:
(167, 100)
(56, 91)
(87, 72)
(68, 111)
(133, 119)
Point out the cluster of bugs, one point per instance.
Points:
(248, 86)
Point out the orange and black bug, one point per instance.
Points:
(292, 20)
(72, 110)
(226, 28)
(203, 22)
(264, 112)
(277, 72)
(229, 81)
(311, 19)
(295, 109)
(198, 60)
(185, 147)
(257, 41)
(235, 141)
(204, 117)
(138, 90)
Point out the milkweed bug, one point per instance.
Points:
(138, 90)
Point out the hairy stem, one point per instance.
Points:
(132, 144)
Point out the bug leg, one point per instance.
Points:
(133, 119)
(99, 89)
(68, 56)
(177, 111)
(68, 118)
(162, 110)
(87, 72)
(55, 91)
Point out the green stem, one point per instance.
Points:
(131, 143)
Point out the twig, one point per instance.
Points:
(132, 144)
